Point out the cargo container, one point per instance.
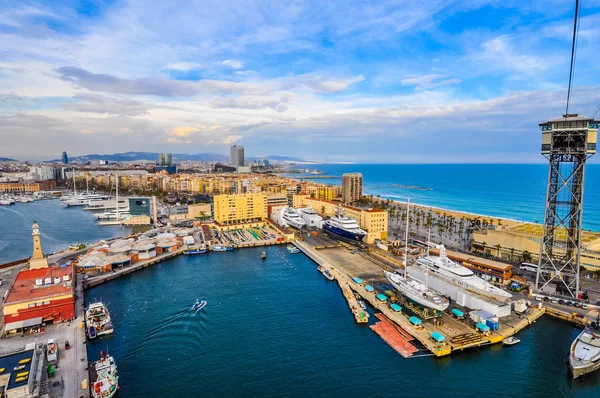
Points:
(492, 324)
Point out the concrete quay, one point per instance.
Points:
(458, 334)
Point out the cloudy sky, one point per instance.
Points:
(362, 81)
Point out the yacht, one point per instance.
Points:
(584, 356)
(112, 215)
(460, 276)
(344, 227)
(417, 291)
(84, 199)
(292, 249)
(310, 217)
(104, 382)
(292, 218)
(97, 319)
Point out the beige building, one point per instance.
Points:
(240, 208)
(522, 242)
(352, 184)
(374, 221)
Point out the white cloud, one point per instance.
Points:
(184, 66)
(233, 63)
(428, 82)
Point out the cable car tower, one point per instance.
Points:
(567, 143)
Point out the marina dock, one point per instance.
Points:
(441, 336)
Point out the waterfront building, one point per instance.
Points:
(40, 295)
(240, 208)
(65, 157)
(139, 206)
(236, 156)
(373, 221)
(42, 173)
(18, 187)
(38, 259)
(352, 185)
(277, 200)
(522, 242)
(21, 374)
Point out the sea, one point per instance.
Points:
(515, 191)
(277, 327)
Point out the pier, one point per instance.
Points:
(440, 336)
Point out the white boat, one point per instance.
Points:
(460, 276)
(310, 217)
(97, 320)
(5, 202)
(292, 249)
(344, 227)
(417, 291)
(263, 255)
(112, 215)
(584, 356)
(292, 218)
(511, 341)
(199, 304)
(327, 274)
(104, 382)
(85, 199)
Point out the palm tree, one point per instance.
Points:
(526, 256)
(498, 247)
(483, 245)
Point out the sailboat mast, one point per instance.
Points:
(117, 195)
(406, 240)
(74, 189)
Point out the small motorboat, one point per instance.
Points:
(328, 275)
(511, 341)
(362, 305)
(263, 255)
(199, 304)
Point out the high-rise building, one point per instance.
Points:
(65, 158)
(165, 159)
(237, 156)
(240, 208)
(352, 184)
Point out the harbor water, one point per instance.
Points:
(60, 227)
(516, 191)
(277, 327)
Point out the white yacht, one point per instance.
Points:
(112, 215)
(84, 199)
(292, 218)
(417, 291)
(97, 320)
(310, 217)
(460, 276)
(584, 356)
(344, 227)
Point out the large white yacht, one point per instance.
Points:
(344, 227)
(310, 217)
(584, 356)
(84, 199)
(417, 291)
(460, 276)
(292, 218)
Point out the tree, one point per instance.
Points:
(498, 247)
(527, 256)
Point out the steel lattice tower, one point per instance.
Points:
(567, 143)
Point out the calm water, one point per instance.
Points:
(500, 190)
(278, 328)
(60, 227)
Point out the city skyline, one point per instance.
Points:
(417, 82)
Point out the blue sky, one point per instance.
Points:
(387, 81)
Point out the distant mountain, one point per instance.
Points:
(6, 160)
(207, 157)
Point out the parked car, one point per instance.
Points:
(570, 303)
(584, 306)
(539, 298)
(577, 304)
(554, 300)
(561, 302)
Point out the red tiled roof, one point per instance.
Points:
(24, 289)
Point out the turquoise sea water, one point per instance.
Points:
(500, 190)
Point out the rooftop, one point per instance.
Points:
(24, 288)
(10, 362)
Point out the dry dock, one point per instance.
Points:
(457, 334)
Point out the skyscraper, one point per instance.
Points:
(165, 159)
(237, 156)
(351, 187)
(65, 158)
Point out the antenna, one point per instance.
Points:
(573, 53)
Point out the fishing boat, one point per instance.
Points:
(511, 341)
(292, 249)
(199, 304)
(219, 248)
(195, 250)
(97, 320)
(328, 274)
(263, 255)
(104, 381)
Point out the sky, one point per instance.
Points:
(436, 81)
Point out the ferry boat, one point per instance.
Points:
(327, 274)
(292, 249)
(199, 304)
(292, 218)
(460, 276)
(584, 356)
(344, 227)
(417, 291)
(97, 319)
(104, 381)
